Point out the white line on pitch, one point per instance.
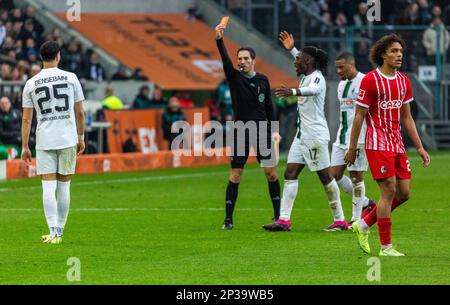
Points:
(129, 180)
(180, 209)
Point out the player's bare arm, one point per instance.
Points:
(27, 118)
(410, 128)
(360, 114)
(81, 126)
(287, 40)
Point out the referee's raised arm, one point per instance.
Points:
(227, 64)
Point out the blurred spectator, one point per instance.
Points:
(28, 31)
(410, 16)
(2, 32)
(5, 72)
(362, 60)
(72, 58)
(10, 123)
(341, 23)
(158, 99)
(424, 12)
(138, 74)
(430, 40)
(142, 101)
(111, 102)
(185, 99)
(223, 101)
(121, 74)
(172, 114)
(192, 14)
(94, 70)
(30, 15)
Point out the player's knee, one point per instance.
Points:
(271, 176)
(235, 176)
(290, 174)
(403, 196)
(389, 190)
(325, 178)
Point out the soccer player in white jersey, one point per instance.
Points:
(57, 97)
(310, 146)
(347, 93)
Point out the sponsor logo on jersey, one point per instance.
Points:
(383, 170)
(391, 104)
(361, 94)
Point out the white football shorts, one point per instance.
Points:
(313, 153)
(338, 154)
(61, 161)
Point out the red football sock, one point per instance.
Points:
(384, 228)
(371, 218)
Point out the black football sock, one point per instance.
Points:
(230, 200)
(274, 191)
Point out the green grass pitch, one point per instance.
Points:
(164, 227)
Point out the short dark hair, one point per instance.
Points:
(380, 47)
(250, 50)
(49, 50)
(347, 56)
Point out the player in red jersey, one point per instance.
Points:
(384, 101)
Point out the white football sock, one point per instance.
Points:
(334, 200)
(287, 201)
(63, 190)
(345, 184)
(363, 225)
(50, 205)
(359, 191)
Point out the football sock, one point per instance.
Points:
(50, 205)
(230, 200)
(63, 191)
(334, 200)
(345, 184)
(384, 228)
(274, 190)
(287, 201)
(371, 218)
(359, 191)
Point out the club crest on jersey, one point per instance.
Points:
(261, 98)
(383, 170)
(391, 104)
(361, 94)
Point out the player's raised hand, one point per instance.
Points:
(220, 28)
(283, 92)
(287, 40)
(425, 157)
(26, 156)
(350, 157)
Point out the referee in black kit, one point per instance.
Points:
(252, 101)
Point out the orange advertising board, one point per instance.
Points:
(113, 163)
(175, 53)
(144, 128)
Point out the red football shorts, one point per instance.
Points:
(386, 164)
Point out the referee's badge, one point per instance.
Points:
(261, 98)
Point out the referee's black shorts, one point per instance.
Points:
(260, 142)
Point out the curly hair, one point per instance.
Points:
(319, 55)
(380, 47)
